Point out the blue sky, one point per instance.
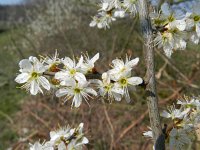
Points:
(9, 2)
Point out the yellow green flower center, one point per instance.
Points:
(34, 75)
(107, 87)
(72, 71)
(77, 90)
(196, 18)
(123, 82)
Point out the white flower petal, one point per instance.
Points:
(118, 63)
(80, 77)
(34, 87)
(95, 58)
(180, 24)
(117, 96)
(198, 29)
(62, 75)
(118, 90)
(127, 97)
(166, 10)
(91, 91)
(62, 92)
(77, 100)
(62, 146)
(39, 67)
(85, 140)
(68, 62)
(132, 63)
(165, 114)
(69, 82)
(22, 78)
(25, 65)
(79, 62)
(135, 80)
(44, 82)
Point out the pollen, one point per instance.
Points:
(54, 68)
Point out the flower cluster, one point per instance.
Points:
(110, 9)
(63, 139)
(69, 77)
(115, 82)
(184, 122)
(174, 26)
(185, 119)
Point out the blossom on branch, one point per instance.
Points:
(69, 78)
(185, 120)
(63, 139)
(77, 91)
(32, 75)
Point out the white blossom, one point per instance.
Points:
(107, 88)
(102, 20)
(88, 63)
(119, 13)
(51, 63)
(43, 146)
(193, 23)
(76, 144)
(57, 137)
(174, 113)
(193, 103)
(77, 91)
(130, 6)
(124, 81)
(170, 41)
(63, 139)
(178, 139)
(71, 70)
(32, 75)
(120, 67)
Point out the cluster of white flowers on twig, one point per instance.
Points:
(63, 139)
(70, 77)
(173, 27)
(115, 82)
(110, 9)
(185, 118)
